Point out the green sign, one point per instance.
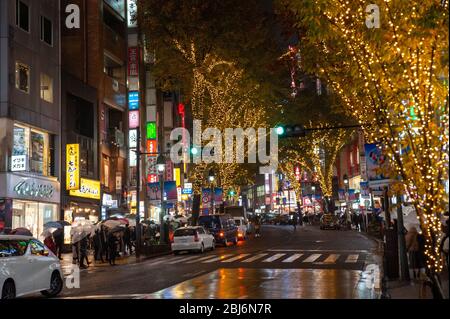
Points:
(151, 130)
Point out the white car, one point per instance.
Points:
(242, 226)
(192, 238)
(28, 266)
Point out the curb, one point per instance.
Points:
(383, 294)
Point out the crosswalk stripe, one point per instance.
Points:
(235, 258)
(217, 258)
(331, 259)
(273, 258)
(352, 258)
(251, 259)
(292, 258)
(200, 259)
(179, 260)
(312, 258)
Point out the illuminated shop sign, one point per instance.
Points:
(72, 166)
(151, 130)
(88, 189)
(133, 100)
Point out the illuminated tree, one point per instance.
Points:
(394, 79)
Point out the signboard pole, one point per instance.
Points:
(138, 186)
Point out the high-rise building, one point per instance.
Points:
(94, 106)
(30, 118)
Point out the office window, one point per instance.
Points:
(46, 31)
(22, 16)
(46, 88)
(23, 77)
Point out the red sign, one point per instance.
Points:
(152, 178)
(133, 61)
(152, 146)
(169, 171)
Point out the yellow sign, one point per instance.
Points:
(73, 166)
(88, 189)
(177, 174)
(184, 197)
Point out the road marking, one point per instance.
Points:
(273, 258)
(217, 258)
(331, 259)
(352, 258)
(235, 258)
(319, 250)
(312, 258)
(182, 259)
(200, 259)
(292, 258)
(251, 259)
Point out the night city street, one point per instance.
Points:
(321, 263)
(233, 158)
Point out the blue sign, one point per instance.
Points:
(133, 100)
(186, 191)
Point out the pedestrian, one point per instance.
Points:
(98, 249)
(295, 221)
(83, 248)
(75, 252)
(104, 242)
(412, 247)
(127, 240)
(300, 217)
(112, 248)
(48, 241)
(58, 235)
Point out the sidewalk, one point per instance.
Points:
(411, 290)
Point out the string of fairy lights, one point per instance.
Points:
(393, 77)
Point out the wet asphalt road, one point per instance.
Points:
(307, 263)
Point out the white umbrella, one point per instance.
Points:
(81, 229)
(48, 232)
(111, 223)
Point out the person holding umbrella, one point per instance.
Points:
(48, 241)
(112, 248)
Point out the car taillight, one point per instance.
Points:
(221, 234)
(239, 234)
(196, 237)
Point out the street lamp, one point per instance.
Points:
(211, 178)
(161, 167)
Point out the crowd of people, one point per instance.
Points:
(107, 244)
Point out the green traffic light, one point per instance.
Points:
(279, 130)
(194, 151)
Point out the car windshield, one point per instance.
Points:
(210, 222)
(237, 222)
(184, 232)
(13, 248)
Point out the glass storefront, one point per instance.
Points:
(33, 215)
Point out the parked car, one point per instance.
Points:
(329, 221)
(28, 266)
(221, 226)
(242, 226)
(282, 219)
(192, 238)
(268, 218)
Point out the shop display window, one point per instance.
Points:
(33, 215)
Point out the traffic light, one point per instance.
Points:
(290, 130)
(194, 150)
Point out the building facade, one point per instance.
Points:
(30, 118)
